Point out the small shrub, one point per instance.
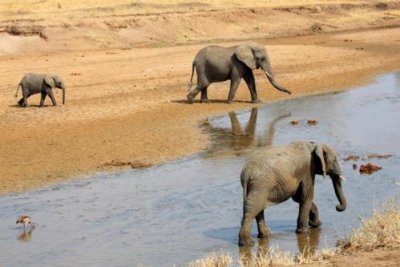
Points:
(316, 27)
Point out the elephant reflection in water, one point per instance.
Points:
(26, 235)
(238, 139)
(246, 255)
(307, 245)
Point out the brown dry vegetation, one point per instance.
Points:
(379, 233)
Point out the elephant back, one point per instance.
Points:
(275, 159)
(33, 81)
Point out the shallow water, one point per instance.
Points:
(180, 211)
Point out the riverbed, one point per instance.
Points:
(183, 210)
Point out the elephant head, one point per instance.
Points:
(327, 164)
(255, 57)
(55, 81)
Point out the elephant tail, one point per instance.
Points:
(189, 86)
(244, 179)
(16, 92)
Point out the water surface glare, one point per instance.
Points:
(180, 211)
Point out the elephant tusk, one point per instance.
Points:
(342, 177)
(269, 75)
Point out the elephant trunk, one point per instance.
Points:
(271, 78)
(337, 185)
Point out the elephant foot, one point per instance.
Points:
(303, 230)
(255, 101)
(205, 100)
(190, 99)
(314, 224)
(230, 101)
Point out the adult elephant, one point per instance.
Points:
(217, 64)
(39, 83)
(278, 173)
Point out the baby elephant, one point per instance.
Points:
(278, 173)
(39, 83)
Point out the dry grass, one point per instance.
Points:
(381, 230)
(213, 259)
(33, 9)
(276, 257)
(273, 257)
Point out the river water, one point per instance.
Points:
(183, 210)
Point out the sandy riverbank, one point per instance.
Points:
(126, 98)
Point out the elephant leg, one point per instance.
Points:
(304, 215)
(251, 84)
(234, 86)
(42, 98)
(250, 211)
(245, 230)
(314, 216)
(23, 102)
(50, 93)
(192, 94)
(261, 225)
(204, 97)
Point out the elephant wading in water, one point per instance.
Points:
(39, 83)
(217, 64)
(278, 173)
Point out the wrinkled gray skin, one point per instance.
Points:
(217, 64)
(39, 83)
(278, 173)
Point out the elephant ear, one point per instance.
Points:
(320, 151)
(49, 81)
(244, 53)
